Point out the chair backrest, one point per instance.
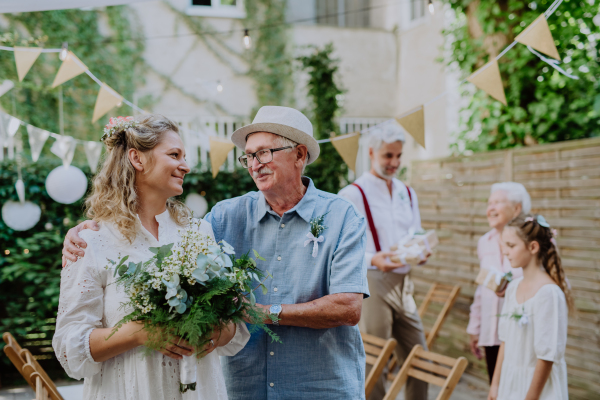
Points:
(378, 352)
(42, 389)
(438, 293)
(429, 367)
(27, 365)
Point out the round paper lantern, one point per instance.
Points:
(66, 185)
(197, 204)
(20, 217)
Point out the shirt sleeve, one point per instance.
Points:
(348, 267)
(241, 337)
(550, 323)
(474, 327)
(80, 311)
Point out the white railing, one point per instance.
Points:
(196, 131)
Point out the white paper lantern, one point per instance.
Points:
(197, 204)
(66, 185)
(20, 216)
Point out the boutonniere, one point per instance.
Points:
(518, 315)
(316, 229)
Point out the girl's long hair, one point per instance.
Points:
(114, 197)
(529, 230)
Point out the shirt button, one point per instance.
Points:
(271, 384)
(272, 353)
(274, 289)
(279, 258)
(283, 225)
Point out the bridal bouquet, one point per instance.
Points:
(188, 289)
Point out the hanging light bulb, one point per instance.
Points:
(64, 51)
(431, 9)
(219, 87)
(247, 41)
(119, 104)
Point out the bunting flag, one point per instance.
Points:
(69, 69)
(219, 148)
(64, 148)
(24, 59)
(6, 85)
(107, 100)
(347, 146)
(93, 150)
(414, 123)
(37, 138)
(487, 78)
(538, 36)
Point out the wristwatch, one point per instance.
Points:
(274, 312)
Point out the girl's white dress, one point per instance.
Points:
(89, 301)
(540, 334)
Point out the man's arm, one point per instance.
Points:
(330, 311)
(74, 246)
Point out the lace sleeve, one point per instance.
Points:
(80, 311)
(236, 344)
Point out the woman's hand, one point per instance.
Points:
(493, 394)
(220, 337)
(176, 347)
(473, 343)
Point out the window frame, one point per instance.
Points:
(217, 10)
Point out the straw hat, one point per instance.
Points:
(282, 121)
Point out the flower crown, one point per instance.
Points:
(116, 125)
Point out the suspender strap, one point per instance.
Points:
(409, 195)
(370, 219)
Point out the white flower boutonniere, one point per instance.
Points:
(316, 229)
(518, 315)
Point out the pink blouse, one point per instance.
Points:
(483, 319)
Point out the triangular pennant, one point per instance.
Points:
(11, 125)
(538, 36)
(414, 123)
(107, 100)
(69, 69)
(24, 59)
(64, 148)
(93, 150)
(347, 146)
(37, 138)
(6, 85)
(219, 148)
(488, 79)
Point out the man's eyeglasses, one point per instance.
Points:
(263, 156)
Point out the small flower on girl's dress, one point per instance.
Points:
(518, 315)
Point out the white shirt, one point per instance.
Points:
(393, 215)
(88, 301)
(542, 336)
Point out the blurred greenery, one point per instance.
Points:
(543, 105)
(329, 171)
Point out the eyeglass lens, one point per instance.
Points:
(264, 156)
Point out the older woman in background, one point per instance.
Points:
(507, 200)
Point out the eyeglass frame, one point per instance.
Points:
(258, 151)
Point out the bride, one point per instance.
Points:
(132, 201)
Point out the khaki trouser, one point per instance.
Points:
(384, 315)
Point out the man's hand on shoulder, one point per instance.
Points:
(382, 262)
(73, 245)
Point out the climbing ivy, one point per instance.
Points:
(114, 58)
(329, 170)
(543, 105)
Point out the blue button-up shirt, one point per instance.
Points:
(309, 363)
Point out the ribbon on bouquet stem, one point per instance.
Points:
(187, 373)
(315, 240)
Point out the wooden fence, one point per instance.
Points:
(563, 180)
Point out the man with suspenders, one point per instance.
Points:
(391, 209)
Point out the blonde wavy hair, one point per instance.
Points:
(114, 197)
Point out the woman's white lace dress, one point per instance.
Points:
(541, 335)
(89, 301)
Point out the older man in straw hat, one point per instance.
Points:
(319, 276)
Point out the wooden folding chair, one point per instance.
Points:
(378, 352)
(438, 293)
(27, 366)
(429, 367)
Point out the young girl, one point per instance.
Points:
(533, 323)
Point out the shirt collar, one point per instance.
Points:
(381, 183)
(304, 208)
(162, 219)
